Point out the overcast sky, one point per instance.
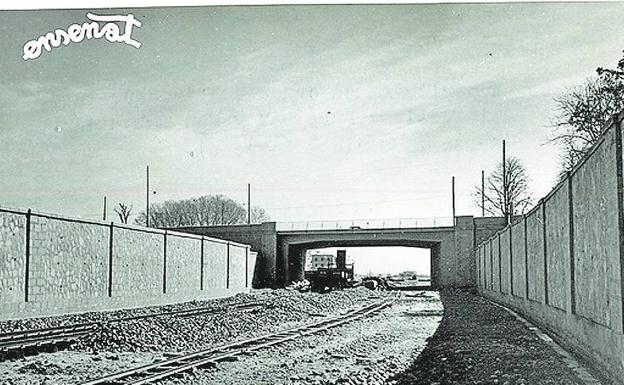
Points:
(330, 112)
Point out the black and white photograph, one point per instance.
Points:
(279, 193)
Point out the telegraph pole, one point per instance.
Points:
(505, 203)
(482, 193)
(104, 213)
(147, 199)
(248, 203)
(453, 197)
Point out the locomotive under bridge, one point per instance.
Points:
(282, 247)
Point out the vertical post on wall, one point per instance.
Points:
(491, 267)
(500, 266)
(227, 267)
(482, 193)
(526, 259)
(545, 249)
(147, 217)
(453, 197)
(511, 280)
(104, 213)
(201, 265)
(164, 280)
(246, 266)
(505, 203)
(27, 256)
(478, 250)
(110, 260)
(248, 203)
(571, 232)
(474, 234)
(620, 191)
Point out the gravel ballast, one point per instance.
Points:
(120, 345)
(79, 318)
(415, 341)
(366, 351)
(280, 309)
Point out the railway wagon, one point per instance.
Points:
(326, 271)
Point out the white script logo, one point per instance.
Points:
(76, 33)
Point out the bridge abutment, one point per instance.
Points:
(281, 254)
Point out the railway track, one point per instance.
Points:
(35, 340)
(152, 373)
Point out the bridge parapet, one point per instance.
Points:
(369, 224)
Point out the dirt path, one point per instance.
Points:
(479, 343)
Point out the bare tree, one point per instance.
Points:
(202, 211)
(259, 215)
(582, 114)
(124, 212)
(619, 72)
(515, 191)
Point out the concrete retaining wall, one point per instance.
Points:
(503, 241)
(261, 237)
(518, 260)
(536, 289)
(53, 265)
(564, 268)
(557, 223)
(238, 271)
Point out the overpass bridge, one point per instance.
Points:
(282, 246)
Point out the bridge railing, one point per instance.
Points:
(355, 224)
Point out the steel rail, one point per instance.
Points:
(156, 371)
(36, 339)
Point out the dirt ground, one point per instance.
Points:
(474, 342)
(123, 345)
(479, 343)
(367, 351)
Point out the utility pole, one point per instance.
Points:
(505, 203)
(453, 195)
(104, 213)
(482, 193)
(248, 203)
(147, 200)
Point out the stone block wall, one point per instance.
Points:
(238, 270)
(496, 268)
(536, 289)
(137, 263)
(68, 263)
(52, 265)
(503, 239)
(215, 265)
(12, 264)
(518, 260)
(557, 219)
(566, 258)
(465, 268)
(183, 265)
(261, 237)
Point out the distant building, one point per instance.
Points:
(315, 261)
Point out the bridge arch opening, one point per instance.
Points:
(397, 256)
(410, 263)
